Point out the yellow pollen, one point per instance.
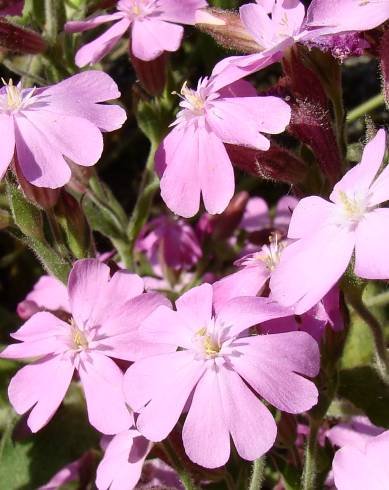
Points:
(136, 10)
(192, 97)
(211, 348)
(79, 338)
(201, 332)
(351, 206)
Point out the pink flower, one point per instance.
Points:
(327, 234)
(356, 433)
(171, 243)
(208, 374)
(105, 315)
(192, 159)
(121, 466)
(71, 472)
(47, 125)
(276, 25)
(48, 293)
(360, 468)
(152, 24)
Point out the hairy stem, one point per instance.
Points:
(257, 474)
(309, 477)
(365, 108)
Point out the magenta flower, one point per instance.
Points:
(152, 24)
(171, 243)
(362, 468)
(105, 315)
(48, 293)
(327, 233)
(208, 374)
(47, 125)
(356, 433)
(121, 466)
(192, 159)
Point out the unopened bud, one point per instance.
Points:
(19, 39)
(151, 74)
(276, 164)
(41, 196)
(228, 30)
(72, 220)
(80, 177)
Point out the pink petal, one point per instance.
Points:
(168, 327)
(180, 184)
(49, 293)
(87, 285)
(42, 334)
(41, 162)
(240, 88)
(92, 22)
(7, 146)
(258, 24)
(159, 417)
(309, 216)
(196, 306)
(102, 383)
(256, 216)
(241, 313)
(354, 433)
(96, 50)
(144, 378)
(346, 15)
(121, 466)
(151, 37)
(360, 177)
(284, 211)
(252, 426)
(246, 282)
(206, 422)
(310, 267)
(41, 385)
(217, 179)
(288, 16)
(371, 245)
(74, 137)
(181, 12)
(272, 365)
(379, 190)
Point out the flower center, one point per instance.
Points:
(194, 99)
(209, 345)
(79, 339)
(353, 207)
(138, 8)
(270, 254)
(13, 97)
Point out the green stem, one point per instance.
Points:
(365, 108)
(51, 20)
(308, 481)
(257, 474)
(185, 477)
(148, 188)
(378, 335)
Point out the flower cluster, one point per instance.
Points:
(200, 341)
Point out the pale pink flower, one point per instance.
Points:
(362, 468)
(169, 242)
(153, 26)
(70, 473)
(327, 234)
(192, 159)
(48, 293)
(276, 25)
(207, 376)
(49, 125)
(121, 466)
(105, 313)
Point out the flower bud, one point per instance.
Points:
(80, 177)
(151, 74)
(228, 30)
(287, 430)
(276, 164)
(19, 39)
(41, 196)
(72, 220)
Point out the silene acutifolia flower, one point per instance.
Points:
(193, 160)
(328, 233)
(43, 127)
(153, 25)
(208, 375)
(105, 314)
